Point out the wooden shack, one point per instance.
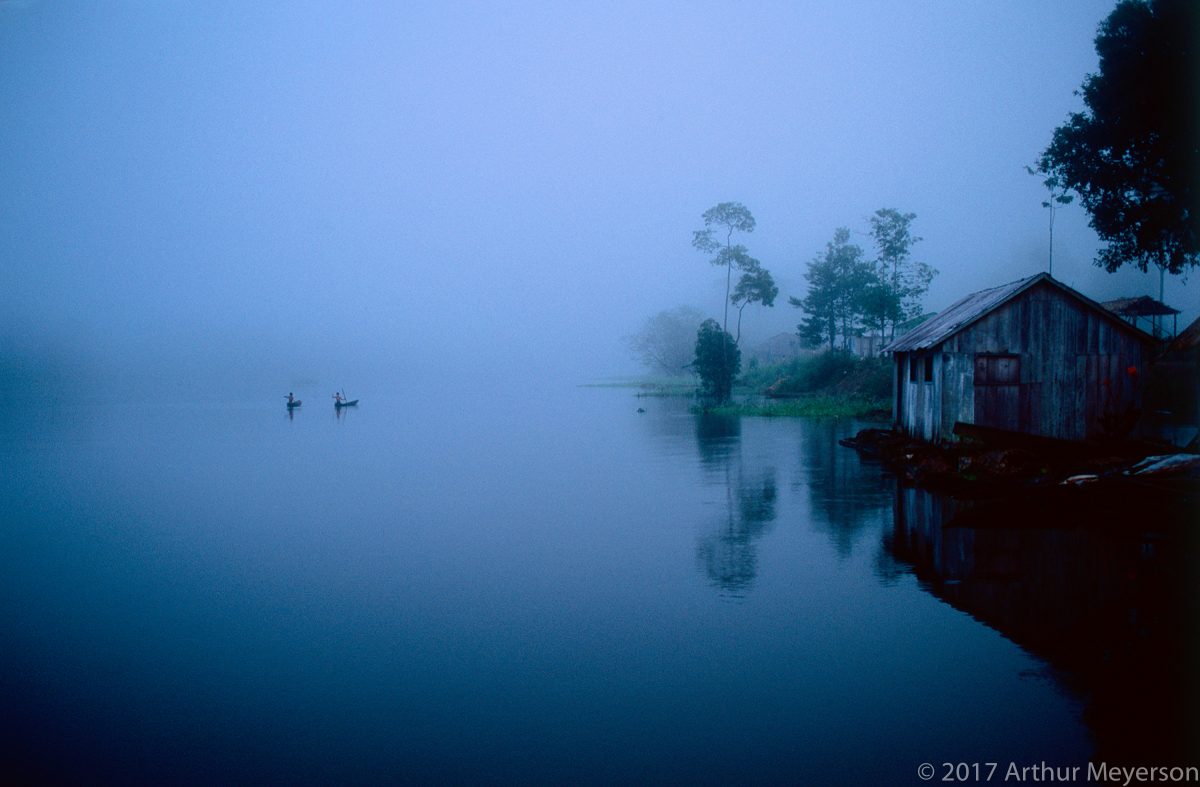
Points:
(1033, 356)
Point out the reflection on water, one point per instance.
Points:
(1111, 608)
(847, 500)
(1108, 607)
(469, 588)
(845, 497)
(718, 439)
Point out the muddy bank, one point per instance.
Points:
(1047, 484)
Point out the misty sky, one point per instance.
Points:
(324, 191)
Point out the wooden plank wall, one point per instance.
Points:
(920, 408)
(1073, 369)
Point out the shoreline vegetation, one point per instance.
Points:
(832, 384)
(997, 485)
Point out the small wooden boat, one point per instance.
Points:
(292, 405)
(350, 403)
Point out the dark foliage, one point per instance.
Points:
(837, 279)
(756, 285)
(718, 361)
(901, 282)
(1133, 156)
(835, 373)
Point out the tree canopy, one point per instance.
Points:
(849, 294)
(837, 279)
(901, 282)
(666, 342)
(756, 285)
(1133, 156)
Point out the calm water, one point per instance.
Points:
(516, 587)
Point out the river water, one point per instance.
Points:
(546, 587)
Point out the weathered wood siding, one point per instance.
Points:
(920, 401)
(1074, 365)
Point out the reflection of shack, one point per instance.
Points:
(1105, 605)
(1033, 356)
(1022, 578)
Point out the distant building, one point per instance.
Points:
(1146, 313)
(866, 346)
(1033, 356)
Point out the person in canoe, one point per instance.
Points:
(292, 401)
(338, 398)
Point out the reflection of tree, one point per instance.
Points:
(756, 502)
(727, 552)
(845, 496)
(718, 438)
(1068, 579)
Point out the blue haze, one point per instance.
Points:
(560, 589)
(224, 196)
(455, 211)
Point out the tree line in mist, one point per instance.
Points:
(1131, 157)
(850, 293)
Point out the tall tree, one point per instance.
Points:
(726, 218)
(666, 342)
(896, 297)
(1133, 156)
(755, 284)
(837, 279)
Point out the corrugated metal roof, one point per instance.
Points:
(1142, 306)
(959, 315)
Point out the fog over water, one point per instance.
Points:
(254, 198)
(486, 571)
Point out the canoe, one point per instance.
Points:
(291, 405)
(350, 403)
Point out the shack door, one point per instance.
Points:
(998, 391)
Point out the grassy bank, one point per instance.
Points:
(826, 374)
(830, 384)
